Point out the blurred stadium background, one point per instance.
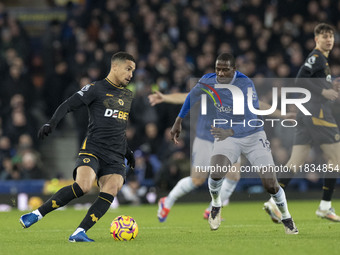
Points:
(51, 48)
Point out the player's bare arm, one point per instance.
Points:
(277, 113)
(175, 98)
(176, 130)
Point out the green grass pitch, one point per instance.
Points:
(247, 229)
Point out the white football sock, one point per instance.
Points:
(325, 205)
(215, 191)
(281, 202)
(227, 189)
(77, 231)
(36, 212)
(184, 186)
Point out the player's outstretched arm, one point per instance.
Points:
(72, 103)
(277, 113)
(176, 129)
(175, 98)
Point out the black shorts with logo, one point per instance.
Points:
(99, 166)
(311, 130)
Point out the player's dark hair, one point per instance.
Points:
(122, 56)
(323, 28)
(227, 57)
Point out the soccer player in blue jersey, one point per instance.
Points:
(200, 157)
(233, 140)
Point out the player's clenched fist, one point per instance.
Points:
(176, 130)
(130, 158)
(44, 131)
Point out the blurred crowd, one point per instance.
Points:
(172, 41)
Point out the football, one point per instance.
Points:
(123, 228)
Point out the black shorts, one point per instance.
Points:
(311, 130)
(99, 166)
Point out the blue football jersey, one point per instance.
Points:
(219, 107)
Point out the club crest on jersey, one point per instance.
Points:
(86, 160)
(120, 102)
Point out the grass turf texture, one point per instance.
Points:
(247, 229)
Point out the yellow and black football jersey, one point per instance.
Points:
(321, 127)
(315, 75)
(109, 107)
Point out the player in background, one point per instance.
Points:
(202, 157)
(320, 128)
(103, 151)
(232, 141)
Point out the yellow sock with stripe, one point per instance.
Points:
(60, 198)
(97, 210)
